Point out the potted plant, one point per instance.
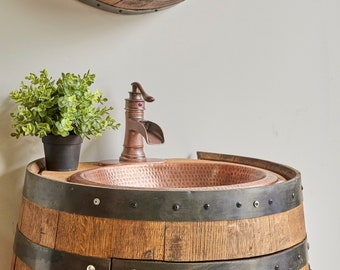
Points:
(62, 112)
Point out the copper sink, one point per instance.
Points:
(176, 174)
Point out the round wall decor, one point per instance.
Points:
(132, 6)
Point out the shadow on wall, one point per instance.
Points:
(14, 156)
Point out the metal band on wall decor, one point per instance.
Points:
(42, 258)
(132, 7)
(152, 205)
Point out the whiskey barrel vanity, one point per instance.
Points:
(153, 224)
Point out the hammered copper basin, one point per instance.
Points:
(182, 174)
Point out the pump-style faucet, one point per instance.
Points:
(136, 127)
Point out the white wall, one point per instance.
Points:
(253, 78)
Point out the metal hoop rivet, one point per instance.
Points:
(176, 207)
(96, 201)
(134, 204)
(256, 204)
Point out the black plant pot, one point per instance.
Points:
(62, 153)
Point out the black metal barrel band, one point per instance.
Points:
(163, 205)
(41, 258)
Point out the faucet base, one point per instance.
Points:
(110, 162)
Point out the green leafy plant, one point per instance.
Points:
(63, 107)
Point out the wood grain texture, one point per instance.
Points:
(13, 261)
(39, 224)
(138, 239)
(170, 241)
(225, 240)
(20, 265)
(62, 176)
(84, 235)
(21, 211)
(106, 238)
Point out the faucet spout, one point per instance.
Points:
(137, 128)
(154, 134)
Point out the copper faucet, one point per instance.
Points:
(136, 128)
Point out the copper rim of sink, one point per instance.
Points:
(176, 175)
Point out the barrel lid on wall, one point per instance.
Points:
(132, 6)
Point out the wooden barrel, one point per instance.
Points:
(65, 225)
(132, 6)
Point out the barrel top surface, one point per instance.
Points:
(38, 167)
(283, 172)
(51, 190)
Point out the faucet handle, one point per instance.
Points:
(137, 86)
